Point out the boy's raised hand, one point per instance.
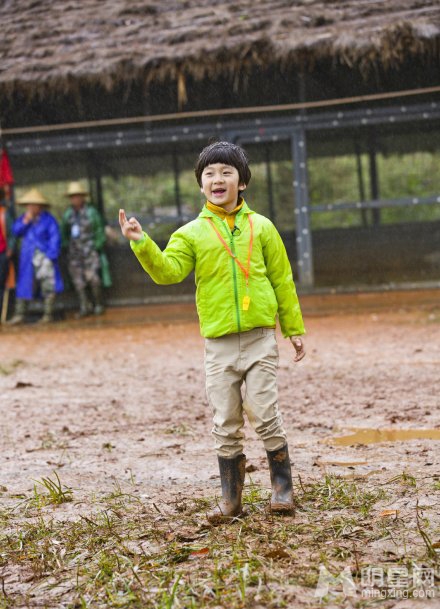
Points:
(131, 229)
(298, 345)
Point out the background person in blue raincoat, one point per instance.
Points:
(38, 270)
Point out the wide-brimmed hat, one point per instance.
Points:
(32, 196)
(76, 188)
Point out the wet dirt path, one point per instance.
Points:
(121, 400)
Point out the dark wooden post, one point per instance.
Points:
(94, 174)
(360, 176)
(272, 213)
(176, 186)
(99, 194)
(374, 179)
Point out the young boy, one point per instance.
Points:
(243, 279)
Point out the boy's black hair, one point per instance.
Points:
(226, 153)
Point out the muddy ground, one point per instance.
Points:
(120, 400)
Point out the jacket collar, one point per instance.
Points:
(206, 213)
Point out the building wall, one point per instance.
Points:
(343, 258)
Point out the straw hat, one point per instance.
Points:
(32, 196)
(76, 188)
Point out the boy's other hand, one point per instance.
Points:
(131, 229)
(298, 345)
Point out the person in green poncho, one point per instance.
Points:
(83, 235)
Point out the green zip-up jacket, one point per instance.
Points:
(221, 285)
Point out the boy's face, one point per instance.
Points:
(220, 185)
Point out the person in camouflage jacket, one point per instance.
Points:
(83, 236)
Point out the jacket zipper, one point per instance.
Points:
(234, 275)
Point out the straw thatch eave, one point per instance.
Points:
(59, 46)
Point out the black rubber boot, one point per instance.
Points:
(48, 309)
(281, 480)
(85, 307)
(232, 474)
(98, 300)
(19, 313)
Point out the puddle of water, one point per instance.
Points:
(372, 436)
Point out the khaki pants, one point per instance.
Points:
(250, 357)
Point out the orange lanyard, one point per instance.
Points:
(245, 270)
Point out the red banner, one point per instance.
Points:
(6, 176)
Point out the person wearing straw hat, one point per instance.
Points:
(83, 235)
(38, 270)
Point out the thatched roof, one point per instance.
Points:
(59, 45)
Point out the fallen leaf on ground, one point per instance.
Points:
(21, 385)
(202, 553)
(277, 553)
(386, 513)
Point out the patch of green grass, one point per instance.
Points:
(57, 493)
(405, 479)
(179, 429)
(49, 440)
(126, 553)
(7, 368)
(335, 493)
(255, 499)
